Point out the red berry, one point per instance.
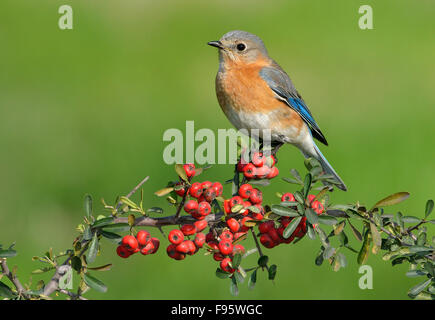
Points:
(217, 186)
(262, 172)
(225, 265)
(238, 248)
(176, 236)
(235, 200)
(256, 196)
(123, 252)
(209, 237)
(191, 206)
(225, 247)
(204, 208)
(195, 190)
(310, 198)
(267, 241)
(317, 207)
(245, 190)
(210, 194)
(197, 216)
(227, 206)
(213, 244)
(206, 184)
(237, 235)
(130, 243)
(258, 159)
(199, 240)
(233, 225)
(217, 256)
(148, 249)
(265, 226)
(272, 173)
(156, 243)
(171, 250)
(270, 161)
(183, 247)
(200, 225)
(191, 245)
(288, 197)
(244, 220)
(181, 190)
(189, 168)
(143, 237)
(274, 235)
(226, 235)
(188, 229)
(241, 166)
(249, 171)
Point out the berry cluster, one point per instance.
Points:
(201, 194)
(240, 209)
(260, 167)
(143, 242)
(272, 235)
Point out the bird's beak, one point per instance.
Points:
(216, 44)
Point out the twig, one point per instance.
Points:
(133, 191)
(20, 289)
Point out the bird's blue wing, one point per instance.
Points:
(280, 83)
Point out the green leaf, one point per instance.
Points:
(319, 259)
(87, 234)
(7, 253)
(236, 260)
(295, 173)
(299, 197)
(311, 216)
(364, 252)
(342, 259)
(42, 270)
(392, 200)
(155, 209)
(284, 211)
(414, 291)
(102, 222)
(429, 208)
(222, 274)
(416, 249)
(5, 291)
(377, 240)
(106, 267)
(88, 205)
(310, 232)
(328, 252)
(292, 181)
(179, 169)
(272, 271)
(94, 283)
(415, 273)
(288, 231)
(117, 227)
(93, 249)
(252, 280)
(410, 219)
(307, 184)
(233, 287)
(429, 267)
(324, 219)
(76, 263)
(260, 182)
(355, 232)
(164, 191)
(239, 277)
(262, 261)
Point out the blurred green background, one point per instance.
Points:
(84, 111)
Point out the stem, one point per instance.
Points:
(20, 289)
(133, 191)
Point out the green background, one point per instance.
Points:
(84, 111)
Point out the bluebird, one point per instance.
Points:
(254, 92)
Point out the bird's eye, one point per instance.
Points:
(241, 47)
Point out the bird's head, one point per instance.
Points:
(240, 47)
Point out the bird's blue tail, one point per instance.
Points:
(328, 168)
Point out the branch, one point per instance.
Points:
(20, 289)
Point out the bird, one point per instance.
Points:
(254, 92)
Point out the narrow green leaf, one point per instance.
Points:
(355, 232)
(88, 205)
(429, 208)
(93, 249)
(106, 267)
(288, 231)
(392, 200)
(94, 283)
(414, 291)
(324, 219)
(415, 273)
(236, 260)
(252, 280)
(102, 222)
(222, 274)
(284, 211)
(311, 216)
(272, 271)
(5, 291)
(87, 234)
(117, 227)
(307, 184)
(410, 219)
(377, 240)
(179, 169)
(233, 287)
(8, 253)
(262, 261)
(364, 252)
